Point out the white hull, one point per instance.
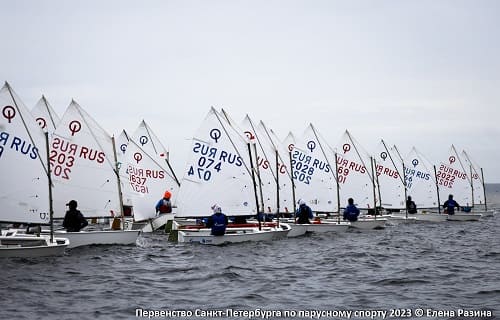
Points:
(297, 230)
(85, 238)
(431, 216)
(369, 223)
(397, 218)
(233, 235)
(328, 226)
(464, 217)
(29, 245)
(153, 224)
(485, 213)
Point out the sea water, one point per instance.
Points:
(405, 271)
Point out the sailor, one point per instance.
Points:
(449, 205)
(74, 220)
(164, 205)
(351, 213)
(218, 221)
(411, 206)
(304, 213)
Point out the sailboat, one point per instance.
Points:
(220, 171)
(356, 177)
(422, 187)
(315, 180)
(146, 178)
(478, 189)
(392, 191)
(453, 179)
(83, 160)
(24, 192)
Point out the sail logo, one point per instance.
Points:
(9, 113)
(137, 157)
(311, 145)
(250, 135)
(143, 140)
(452, 159)
(290, 147)
(17, 144)
(415, 163)
(74, 127)
(346, 147)
(41, 122)
(123, 147)
(215, 134)
(383, 155)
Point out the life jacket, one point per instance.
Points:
(166, 206)
(450, 206)
(412, 208)
(219, 224)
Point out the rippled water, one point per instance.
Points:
(443, 266)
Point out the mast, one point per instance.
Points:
(51, 208)
(437, 189)
(406, 191)
(338, 187)
(254, 184)
(484, 190)
(472, 184)
(117, 172)
(372, 161)
(277, 189)
(293, 185)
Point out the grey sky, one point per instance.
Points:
(415, 73)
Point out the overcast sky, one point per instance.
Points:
(414, 73)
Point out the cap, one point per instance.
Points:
(72, 203)
(301, 202)
(216, 208)
(167, 195)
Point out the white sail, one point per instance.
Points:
(146, 181)
(24, 189)
(314, 177)
(453, 179)
(45, 115)
(266, 165)
(284, 173)
(83, 165)
(389, 169)
(354, 173)
(420, 181)
(477, 179)
(121, 144)
(218, 172)
(148, 141)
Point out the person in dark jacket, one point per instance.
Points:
(74, 220)
(411, 206)
(449, 205)
(218, 221)
(351, 213)
(304, 213)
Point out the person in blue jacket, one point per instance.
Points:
(351, 213)
(218, 221)
(449, 205)
(304, 213)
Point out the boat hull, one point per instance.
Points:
(104, 237)
(234, 235)
(27, 245)
(369, 223)
(431, 217)
(464, 217)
